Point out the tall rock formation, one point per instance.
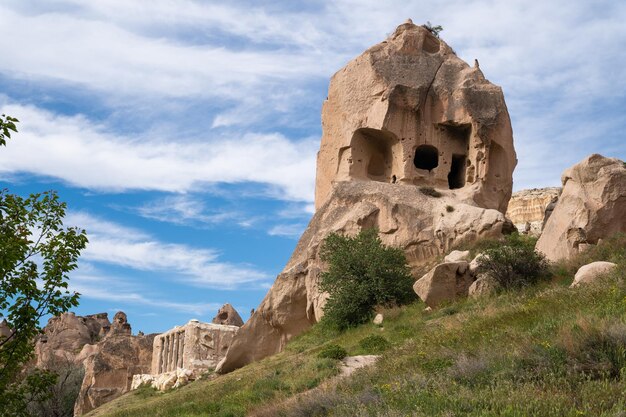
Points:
(527, 208)
(405, 116)
(227, 315)
(591, 207)
(409, 111)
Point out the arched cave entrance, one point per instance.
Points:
(426, 157)
(456, 177)
(373, 155)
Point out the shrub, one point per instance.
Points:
(374, 344)
(514, 263)
(332, 351)
(362, 274)
(430, 191)
(449, 209)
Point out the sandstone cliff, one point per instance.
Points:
(527, 208)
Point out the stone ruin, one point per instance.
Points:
(185, 352)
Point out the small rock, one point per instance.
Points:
(378, 319)
(590, 272)
(483, 286)
(457, 256)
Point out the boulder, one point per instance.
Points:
(591, 207)
(415, 143)
(483, 286)
(228, 315)
(528, 208)
(457, 256)
(445, 282)
(588, 273)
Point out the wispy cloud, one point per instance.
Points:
(86, 155)
(113, 244)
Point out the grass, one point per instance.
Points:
(545, 350)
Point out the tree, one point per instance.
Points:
(362, 274)
(435, 30)
(37, 252)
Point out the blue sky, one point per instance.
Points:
(183, 134)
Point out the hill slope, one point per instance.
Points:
(545, 351)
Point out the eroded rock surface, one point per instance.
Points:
(528, 208)
(591, 272)
(227, 315)
(591, 207)
(405, 218)
(409, 111)
(446, 282)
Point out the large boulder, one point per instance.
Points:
(405, 218)
(528, 208)
(446, 282)
(591, 207)
(227, 315)
(409, 111)
(591, 272)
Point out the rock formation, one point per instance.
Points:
(591, 207)
(5, 331)
(64, 336)
(405, 116)
(528, 208)
(228, 315)
(111, 362)
(409, 111)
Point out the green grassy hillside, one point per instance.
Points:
(543, 351)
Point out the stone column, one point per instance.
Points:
(175, 351)
(181, 349)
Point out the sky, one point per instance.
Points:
(183, 134)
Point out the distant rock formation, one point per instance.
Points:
(529, 208)
(591, 207)
(228, 315)
(415, 143)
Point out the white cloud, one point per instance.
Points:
(86, 155)
(287, 230)
(114, 244)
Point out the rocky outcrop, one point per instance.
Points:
(591, 207)
(64, 337)
(591, 272)
(528, 208)
(404, 123)
(409, 111)
(405, 218)
(482, 286)
(227, 315)
(446, 282)
(109, 369)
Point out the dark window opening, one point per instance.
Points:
(426, 157)
(456, 177)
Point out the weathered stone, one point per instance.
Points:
(409, 111)
(228, 315)
(483, 286)
(111, 363)
(592, 206)
(350, 364)
(65, 336)
(5, 330)
(589, 273)
(445, 282)
(457, 256)
(404, 116)
(528, 208)
(378, 320)
(475, 264)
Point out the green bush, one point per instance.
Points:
(374, 344)
(362, 274)
(514, 263)
(332, 351)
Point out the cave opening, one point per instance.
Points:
(426, 157)
(456, 177)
